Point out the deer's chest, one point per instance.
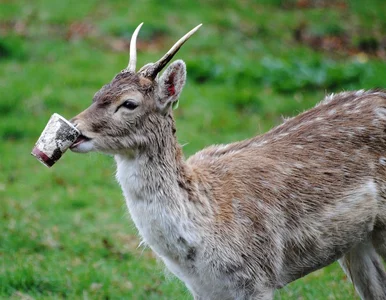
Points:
(160, 217)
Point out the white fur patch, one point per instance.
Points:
(357, 203)
(84, 147)
(381, 112)
(382, 161)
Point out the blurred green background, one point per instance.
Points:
(65, 231)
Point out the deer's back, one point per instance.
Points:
(338, 143)
(302, 188)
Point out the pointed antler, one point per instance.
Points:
(133, 51)
(151, 70)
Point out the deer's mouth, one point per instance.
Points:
(81, 139)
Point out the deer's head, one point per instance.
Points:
(126, 113)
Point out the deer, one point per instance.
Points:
(242, 220)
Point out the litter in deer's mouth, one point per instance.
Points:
(58, 135)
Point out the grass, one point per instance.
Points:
(66, 233)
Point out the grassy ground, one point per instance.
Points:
(65, 232)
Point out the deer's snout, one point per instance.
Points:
(78, 121)
(74, 121)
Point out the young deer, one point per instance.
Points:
(238, 221)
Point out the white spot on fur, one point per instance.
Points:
(261, 143)
(382, 161)
(298, 165)
(295, 128)
(361, 200)
(232, 152)
(381, 112)
(222, 148)
(357, 111)
(375, 122)
(372, 188)
(327, 99)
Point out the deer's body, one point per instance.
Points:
(241, 220)
(267, 210)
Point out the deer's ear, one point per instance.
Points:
(170, 84)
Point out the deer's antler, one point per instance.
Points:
(151, 70)
(133, 50)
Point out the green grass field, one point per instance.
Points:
(65, 231)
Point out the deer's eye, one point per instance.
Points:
(129, 104)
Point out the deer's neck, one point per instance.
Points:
(155, 183)
(144, 175)
(158, 167)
